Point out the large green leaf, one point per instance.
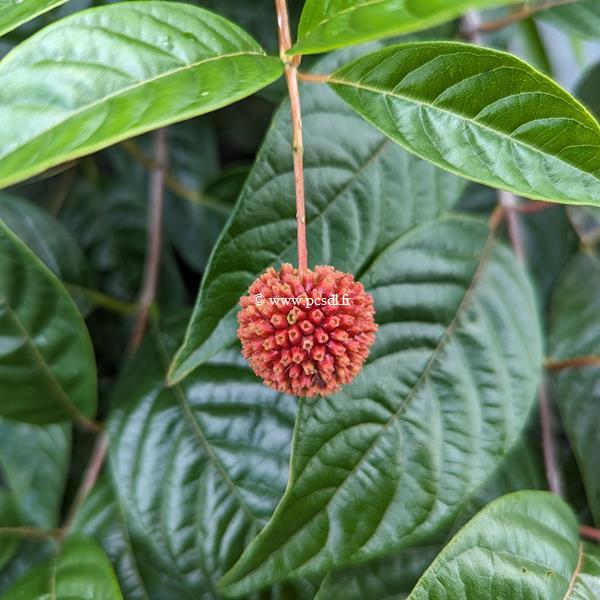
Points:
(481, 113)
(580, 18)
(360, 196)
(113, 72)
(447, 388)
(522, 546)
(336, 23)
(109, 220)
(16, 12)
(9, 518)
(198, 467)
(101, 517)
(573, 333)
(47, 238)
(80, 570)
(393, 577)
(47, 368)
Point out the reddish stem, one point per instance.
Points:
(152, 267)
(590, 533)
(569, 363)
(548, 445)
(291, 76)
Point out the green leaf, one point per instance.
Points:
(101, 517)
(587, 582)
(482, 114)
(47, 367)
(109, 220)
(393, 577)
(9, 518)
(81, 570)
(447, 388)
(574, 312)
(16, 12)
(580, 18)
(34, 463)
(47, 237)
(113, 72)
(198, 467)
(359, 197)
(328, 25)
(522, 546)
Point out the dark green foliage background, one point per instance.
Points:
(217, 486)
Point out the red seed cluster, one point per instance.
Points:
(316, 341)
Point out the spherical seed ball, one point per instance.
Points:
(307, 335)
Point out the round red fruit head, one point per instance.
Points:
(308, 334)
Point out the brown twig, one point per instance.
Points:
(291, 76)
(534, 207)
(510, 203)
(514, 17)
(571, 363)
(590, 533)
(548, 445)
(152, 265)
(90, 477)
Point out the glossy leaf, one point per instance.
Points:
(575, 309)
(482, 114)
(199, 466)
(374, 183)
(109, 221)
(113, 72)
(393, 577)
(81, 570)
(447, 388)
(16, 12)
(47, 368)
(580, 18)
(101, 517)
(521, 546)
(47, 238)
(328, 25)
(34, 462)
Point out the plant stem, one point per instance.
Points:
(291, 76)
(174, 184)
(101, 300)
(152, 266)
(570, 363)
(514, 17)
(548, 445)
(313, 77)
(90, 477)
(590, 533)
(511, 205)
(31, 532)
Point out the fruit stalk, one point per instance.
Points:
(291, 76)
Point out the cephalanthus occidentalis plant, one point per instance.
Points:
(304, 346)
(307, 334)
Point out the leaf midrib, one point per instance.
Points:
(434, 107)
(72, 409)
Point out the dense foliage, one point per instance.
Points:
(451, 165)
